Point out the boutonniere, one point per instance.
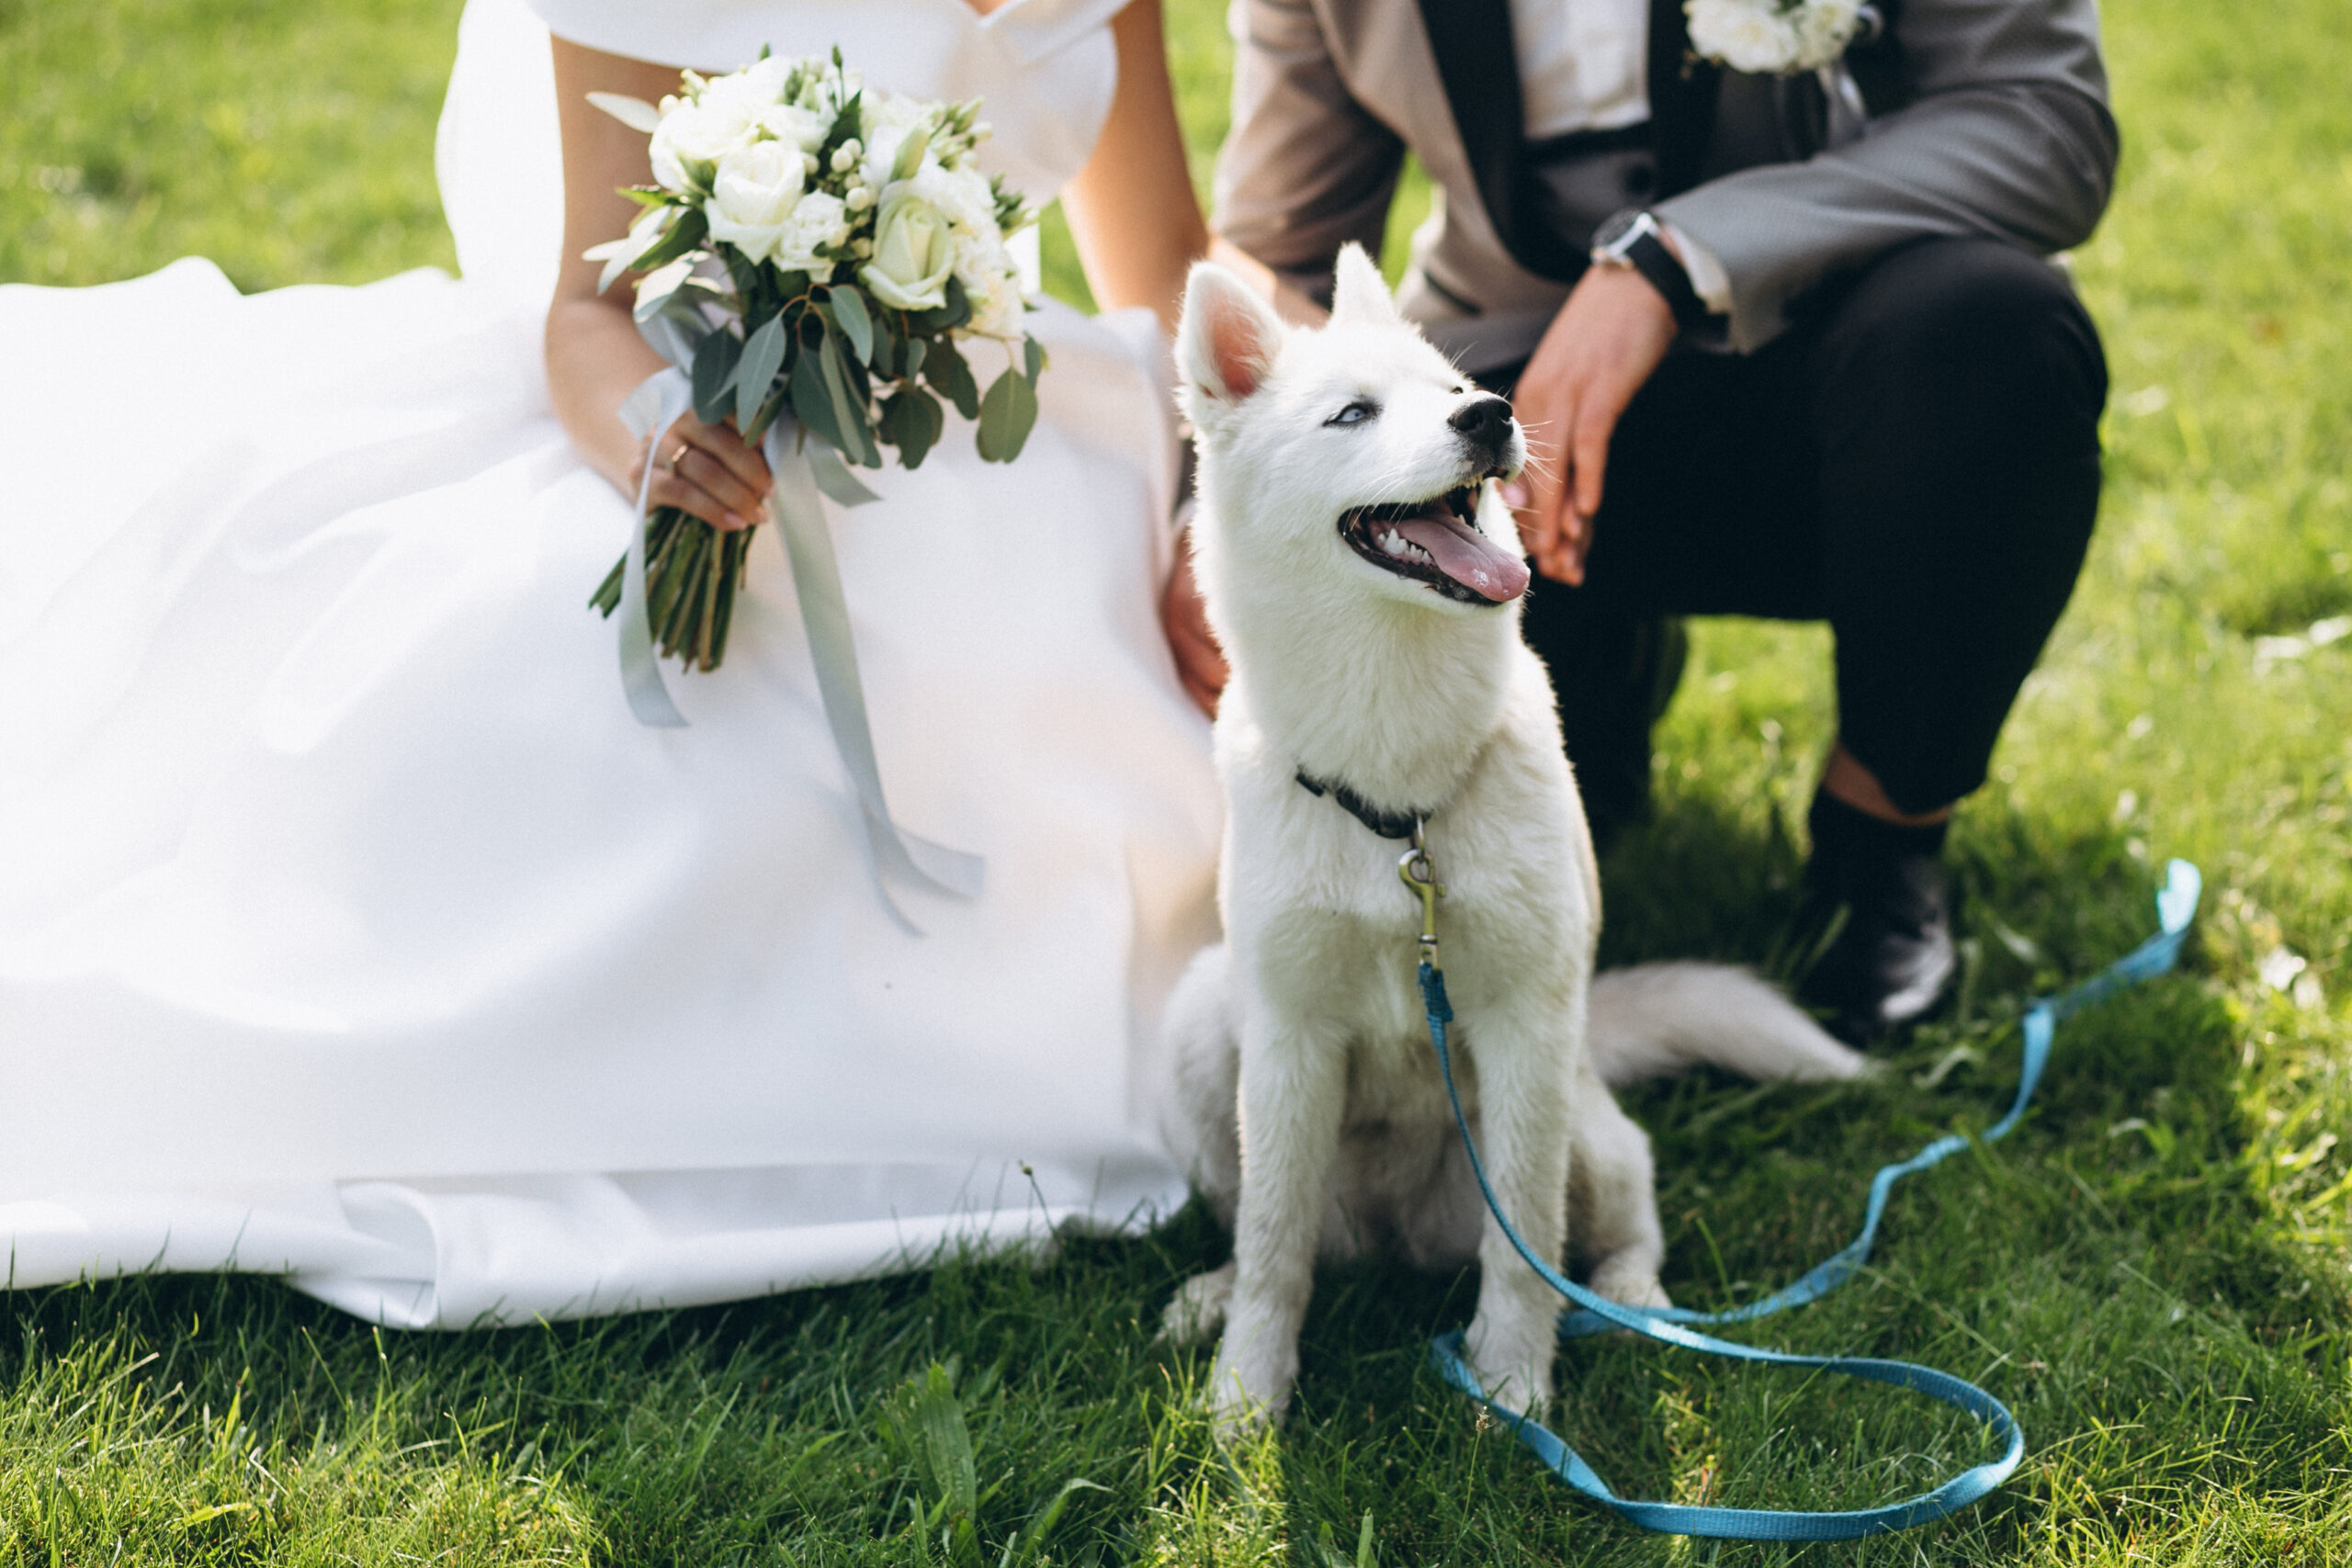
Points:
(1776, 38)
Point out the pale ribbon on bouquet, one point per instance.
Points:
(804, 465)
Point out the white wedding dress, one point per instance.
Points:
(351, 927)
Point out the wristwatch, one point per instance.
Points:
(1633, 239)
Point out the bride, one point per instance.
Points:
(352, 927)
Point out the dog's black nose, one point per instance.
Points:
(1485, 423)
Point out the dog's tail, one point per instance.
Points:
(1655, 1020)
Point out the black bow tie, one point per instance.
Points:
(1388, 824)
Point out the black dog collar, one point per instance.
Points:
(1388, 824)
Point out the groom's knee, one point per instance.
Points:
(1964, 341)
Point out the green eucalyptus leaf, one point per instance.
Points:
(889, 347)
(913, 422)
(763, 357)
(689, 230)
(944, 368)
(953, 313)
(1007, 415)
(714, 374)
(916, 349)
(1033, 358)
(847, 121)
(812, 403)
(849, 314)
(849, 412)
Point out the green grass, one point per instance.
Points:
(2152, 1273)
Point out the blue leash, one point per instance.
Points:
(2175, 905)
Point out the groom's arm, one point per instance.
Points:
(2007, 137)
(1306, 169)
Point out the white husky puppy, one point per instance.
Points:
(1363, 582)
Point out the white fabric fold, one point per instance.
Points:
(353, 929)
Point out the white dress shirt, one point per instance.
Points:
(1584, 65)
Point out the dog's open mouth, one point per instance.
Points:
(1436, 542)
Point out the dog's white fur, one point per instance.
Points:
(1306, 1097)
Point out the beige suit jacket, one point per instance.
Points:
(2003, 129)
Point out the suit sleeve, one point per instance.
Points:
(1304, 168)
(2008, 137)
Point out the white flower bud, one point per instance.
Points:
(859, 198)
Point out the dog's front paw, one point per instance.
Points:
(1236, 1411)
(1249, 1385)
(1629, 1282)
(1515, 1369)
(1198, 1310)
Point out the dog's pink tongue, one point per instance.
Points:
(1468, 556)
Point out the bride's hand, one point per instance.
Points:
(706, 470)
(1200, 663)
(596, 358)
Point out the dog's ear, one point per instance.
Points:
(1228, 339)
(1360, 295)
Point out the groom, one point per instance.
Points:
(1787, 341)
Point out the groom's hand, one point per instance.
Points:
(1598, 350)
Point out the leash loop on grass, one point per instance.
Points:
(2174, 907)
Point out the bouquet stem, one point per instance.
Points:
(692, 573)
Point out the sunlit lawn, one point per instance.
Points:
(2152, 1273)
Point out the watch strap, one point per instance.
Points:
(1647, 255)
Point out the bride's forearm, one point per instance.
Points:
(595, 357)
(595, 360)
(1132, 209)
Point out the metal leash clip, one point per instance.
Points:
(1417, 871)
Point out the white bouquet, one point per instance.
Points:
(1773, 37)
(813, 248)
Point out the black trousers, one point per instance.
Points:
(1914, 461)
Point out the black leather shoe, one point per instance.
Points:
(1892, 960)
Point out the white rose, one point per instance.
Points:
(804, 128)
(751, 197)
(818, 222)
(698, 133)
(830, 89)
(991, 281)
(914, 253)
(1823, 29)
(757, 87)
(884, 121)
(962, 194)
(998, 307)
(1743, 34)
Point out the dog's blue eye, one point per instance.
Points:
(1354, 413)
